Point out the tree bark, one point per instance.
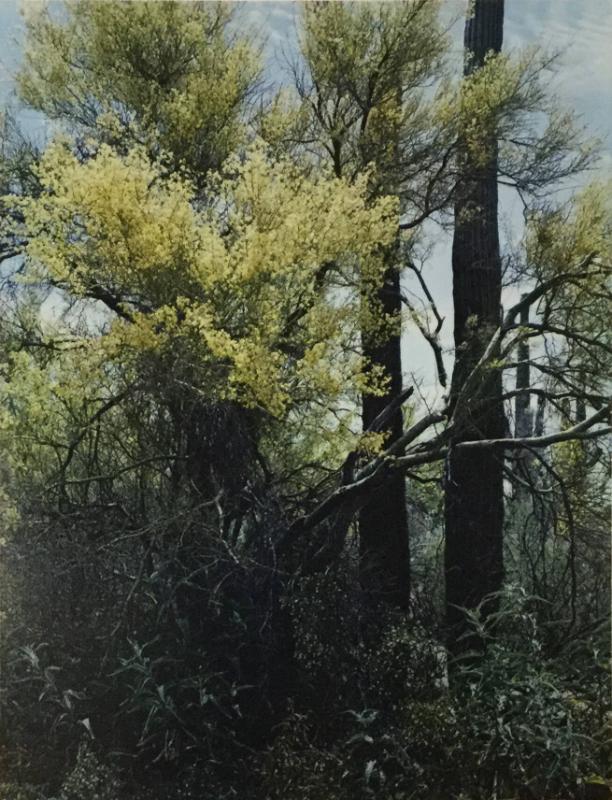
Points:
(523, 418)
(383, 520)
(384, 539)
(474, 509)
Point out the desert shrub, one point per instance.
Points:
(514, 722)
(60, 608)
(521, 719)
(166, 656)
(204, 673)
(89, 779)
(22, 791)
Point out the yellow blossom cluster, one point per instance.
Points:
(165, 73)
(262, 283)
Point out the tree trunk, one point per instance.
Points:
(384, 541)
(523, 418)
(383, 521)
(474, 479)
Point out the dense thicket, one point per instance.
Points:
(223, 509)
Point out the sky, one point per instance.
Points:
(580, 31)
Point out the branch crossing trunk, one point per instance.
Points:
(383, 520)
(474, 509)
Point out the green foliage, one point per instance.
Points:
(170, 74)
(362, 95)
(505, 101)
(186, 396)
(23, 791)
(89, 779)
(229, 282)
(364, 711)
(519, 716)
(512, 720)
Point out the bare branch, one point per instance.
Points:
(379, 422)
(580, 431)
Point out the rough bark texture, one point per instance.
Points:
(384, 538)
(383, 521)
(474, 479)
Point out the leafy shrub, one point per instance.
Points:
(513, 721)
(208, 675)
(89, 779)
(520, 722)
(24, 791)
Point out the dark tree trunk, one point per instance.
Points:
(523, 420)
(383, 521)
(474, 479)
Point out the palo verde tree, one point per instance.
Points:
(181, 418)
(145, 245)
(158, 392)
(562, 361)
(171, 77)
(173, 80)
(361, 91)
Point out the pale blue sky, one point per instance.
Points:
(580, 30)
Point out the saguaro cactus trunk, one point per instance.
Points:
(383, 521)
(474, 507)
